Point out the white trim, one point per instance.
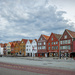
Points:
(69, 34)
(63, 33)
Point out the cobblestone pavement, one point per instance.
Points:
(36, 70)
(68, 64)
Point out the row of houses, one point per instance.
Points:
(54, 45)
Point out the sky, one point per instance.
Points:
(28, 19)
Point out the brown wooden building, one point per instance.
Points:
(66, 43)
(42, 46)
(53, 45)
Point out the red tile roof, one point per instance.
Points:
(35, 40)
(46, 37)
(30, 41)
(25, 40)
(2, 45)
(72, 33)
(10, 43)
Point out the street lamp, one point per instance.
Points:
(33, 52)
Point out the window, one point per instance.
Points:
(49, 48)
(65, 41)
(65, 37)
(56, 47)
(38, 48)
(65, 47)
(43, 47)
(44, 43)
(61, 42)
(52, 43)
(56, 42)
(52, 47)
(69, 41)
(48, 43)
(38, 43)
(69, 47)
(41, 38)
(52, 39)
(61, 47)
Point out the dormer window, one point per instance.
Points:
(22, 41)
(65, 37)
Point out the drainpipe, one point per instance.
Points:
(59, 51)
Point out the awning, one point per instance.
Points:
(12, 51)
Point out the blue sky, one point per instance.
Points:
(31, 18)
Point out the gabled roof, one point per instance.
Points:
(30, 41)
(2, 45)
(46, 37)
(72, 33)
(35, 40)
(10, 43)
(25, 40)
(57, 35)
(5, 44)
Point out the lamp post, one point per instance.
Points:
(33, 52)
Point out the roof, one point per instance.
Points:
(72, 33)
(35, 40)
(2, 45)
(25, 40)
(57, 35)
(30, 41)
(46, 37)
(10, 43)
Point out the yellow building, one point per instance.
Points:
(17, 48)
(23, 47)
(8, 48)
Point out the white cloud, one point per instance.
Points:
(29, 19)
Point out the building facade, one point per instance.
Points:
(42, 46)
(31, 47)
(34, 47)
(13, 49)
(53, 45)
(8, 47)
(4, 49)
(1, 49)
(66, 43)
(23, 47)
(17, 48)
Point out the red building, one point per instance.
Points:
(13, 48)
(42, 46)
(67, 43)
(53, 45)
(4, 49)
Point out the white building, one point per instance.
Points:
(1, 49)
(31, 47)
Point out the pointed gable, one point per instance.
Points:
(30, 41)
(57, 35)
(46, 37)
(2, 45)
(35, 40)
(71, 33)
(24, 40)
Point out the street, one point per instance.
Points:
(25, 66)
